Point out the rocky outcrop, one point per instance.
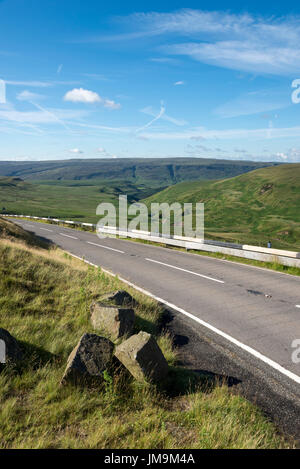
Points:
(91, 356)
(141, 355)
(113, 320)
(10, 350)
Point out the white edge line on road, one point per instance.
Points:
(184, 270)
(105, 247)
(238, 263)
(236, 342)
(206, 256)
(68, 236)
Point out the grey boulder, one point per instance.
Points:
(91, 356)
(141, 355)
(114, 320)
(9, 348)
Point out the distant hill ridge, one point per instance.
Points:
(158, 171)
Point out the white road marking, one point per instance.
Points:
(184, 270)
(45, 229)
(30, 226)
(68, 236)
(106, 247)
(297, 306)
(236, 342)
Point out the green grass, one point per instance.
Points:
(250, 209)
(44, 302)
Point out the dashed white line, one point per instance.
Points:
(184, 270)
(297, 306)
(255, 353)
(106, 247)
(68, 236)
(46, 229)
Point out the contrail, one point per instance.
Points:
(52, 115)
(159, 115)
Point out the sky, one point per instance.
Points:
(92, 79)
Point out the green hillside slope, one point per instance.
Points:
(251, 208)
(76, 200)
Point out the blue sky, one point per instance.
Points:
(84, 79)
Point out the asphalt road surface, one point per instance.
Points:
(254, 310)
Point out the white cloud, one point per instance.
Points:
(111, 104)
(28, 96)
(105, 153)
(76, 151)
(80, 95)
(282, 155)
(59, 69)
(177, 83)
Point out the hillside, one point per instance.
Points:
(250, 208)
(77, 200)
(74, 188)
(44, 303)
(158, 172)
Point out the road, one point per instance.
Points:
(256, 310)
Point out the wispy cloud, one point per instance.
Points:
(178, 83)
(242, 42)
(228, 134)
(29, 96)
(36, 84)
(162, 60)
(95, 76)
(39, 84)
(254, 102)
(250, 56)
(42, 116)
